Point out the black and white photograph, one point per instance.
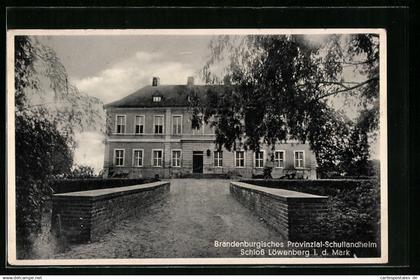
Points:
(197, 146)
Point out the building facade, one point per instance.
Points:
(150, 134)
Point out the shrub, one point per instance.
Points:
(354, 207)
(41, 153)
(81, 172)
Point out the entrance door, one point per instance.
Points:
(197, 162)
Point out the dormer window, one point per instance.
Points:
(157, 98)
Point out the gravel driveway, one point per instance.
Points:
(185, 224)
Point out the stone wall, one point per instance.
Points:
(292, 214)
(86, 215)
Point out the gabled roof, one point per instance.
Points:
(171, 96)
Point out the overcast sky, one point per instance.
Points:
(111, 67)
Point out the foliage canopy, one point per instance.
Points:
(281, 87)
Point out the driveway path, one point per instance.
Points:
(185, 224)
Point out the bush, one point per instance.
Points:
(81, 172)
(41, 153)
(354, 207)
(75, 185)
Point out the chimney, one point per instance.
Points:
(190, 81)
(155, 81)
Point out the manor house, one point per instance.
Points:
(150, 133)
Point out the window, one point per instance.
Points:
(137, 157)
(299, 159)
(279, 159)
(240, 159)
(157, 98)
(176, 158)
(157, 158)
(158, 124)
(176, 124)
(218, 159)
(259, 159)
(119, 157)
(139, 125)
(120, 124)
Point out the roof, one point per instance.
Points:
(171, 96)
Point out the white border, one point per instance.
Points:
(10, 145)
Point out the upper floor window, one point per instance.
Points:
(259, 159)
(157, 98)
(279, 159)
(239, 159)
(176, 158)
(176, 124)
(299, 159)
(137, 157)
(157, 157)
(120, 124)
(158, 124)
(218, 159)
(119, 157)
(139, 125)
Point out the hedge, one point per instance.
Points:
(354, 207)
(75, 185)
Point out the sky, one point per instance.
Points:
(113, 66)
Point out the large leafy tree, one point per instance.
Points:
(279, 87)
(42, 89)
(48, 112)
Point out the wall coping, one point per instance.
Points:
(310, 180)
(111, 192)
(280, 193)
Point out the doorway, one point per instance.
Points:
(197, 162)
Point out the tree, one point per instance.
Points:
(48, 111)
(42, 89)
(279, 87)
(42, 153)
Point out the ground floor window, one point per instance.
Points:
(299, 159)
(138, 158)
(157, 157)
(259, 159)
(239, 159)
(176, 158)
(218, 159)
(119, 157)
(279, 159)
